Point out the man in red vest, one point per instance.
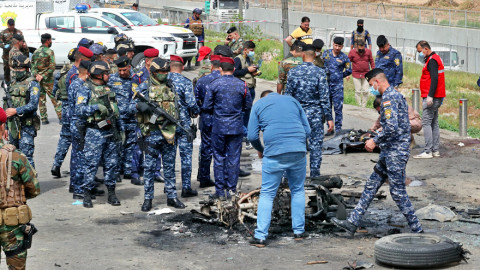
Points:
(432, 88)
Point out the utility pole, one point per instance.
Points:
(285, 27)
(240, 14)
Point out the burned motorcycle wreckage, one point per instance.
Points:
(321, 204)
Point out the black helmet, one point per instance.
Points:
(98, 67)
(159, 64)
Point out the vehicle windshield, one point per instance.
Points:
(116, 23)
(138, 18)
(447, 61)
(228, 4)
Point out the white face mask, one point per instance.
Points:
(318, 53)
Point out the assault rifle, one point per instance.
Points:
(158, 111)
(111, 119)
(7, 100)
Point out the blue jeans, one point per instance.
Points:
(295, 166)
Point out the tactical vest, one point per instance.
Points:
(359, 37)
(61, 84)
(248, 78)
(13, 206)
(196, 26)
(168, 100)
(20, 93)
(97, 92)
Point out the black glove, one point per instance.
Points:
(143, 107)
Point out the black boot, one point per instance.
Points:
(97, 192)
(99, 180)
(189, 192)
(136, 181)
(87, 199)
(79, 196)
(159, 178)
(56, 171)
(112, 197)
(175, 202)
(147, 205)
(70, 188)
(207, 183)
(243, 173)
(346, 225)
(127, 176)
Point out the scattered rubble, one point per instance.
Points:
(436, 212)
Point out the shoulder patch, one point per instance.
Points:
(80, 100)
(117, 83)
(388, 113)
(347, 65)
(387, 57)
(387, 103)
(35, 90)
(397, 62)
(339, 60)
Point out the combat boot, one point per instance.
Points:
(175, 202)
(147, 205)
(189, 192)
(127, 176)
(56, 171)
(159, 178)
(136, 180)
(97, 192)
(243, 173)
(207, 183)
(87, 199)
(112, 197)
(346, 225)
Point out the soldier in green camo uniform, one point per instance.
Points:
(289, 63)
(17, 184)
(6, 37)
(204, 56)
(234, 41)
(17, 47)
(43, 66)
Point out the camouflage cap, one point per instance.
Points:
(98, 67)
(21, 61)
(159, 64)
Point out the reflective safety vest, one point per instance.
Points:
(426, 80)
(167, 98)
(61, 83)
(196, 26)
(359, 37)
(248, 78)
(96, 97)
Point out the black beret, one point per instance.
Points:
(223, 50)
(372, 73)
(338, 40)
(121, 51)
(122, 61)
(360, 21)
(318, 44)
(85, 64)
(308, 47)
(18, 37)
(231, 30)
(11, 21)
(381, 41)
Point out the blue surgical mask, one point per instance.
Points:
(251, 54)
(374, 91)
(233, 40)
(421, 55)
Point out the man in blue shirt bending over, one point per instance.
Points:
(285, 131)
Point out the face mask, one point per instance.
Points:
(21, 75)
(207, 62)
(161, 77)
(421, 55)
(251, 54)
(50, 45)
(359, 28)
(318, 53)
(233, 40)
(361, 50)
(374, 91)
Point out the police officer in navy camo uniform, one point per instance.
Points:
(394, 142)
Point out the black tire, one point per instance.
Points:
(138, 61)
(413, 250)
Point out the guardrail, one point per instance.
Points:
(425, 15)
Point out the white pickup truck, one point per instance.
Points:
(186, 41)
(69, 27)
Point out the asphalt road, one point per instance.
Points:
(106, 237)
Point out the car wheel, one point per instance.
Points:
(415, 250)
(138, 61)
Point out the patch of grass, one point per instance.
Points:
(470, 24)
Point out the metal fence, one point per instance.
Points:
(425, 15)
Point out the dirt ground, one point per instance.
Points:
(106, 237)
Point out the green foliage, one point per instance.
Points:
(159, 21)
(470, 24)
